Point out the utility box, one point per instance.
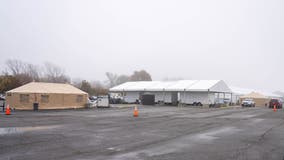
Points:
(103, 101)
(148, 99)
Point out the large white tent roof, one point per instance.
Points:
(182, 85)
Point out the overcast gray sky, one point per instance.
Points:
(239, 41)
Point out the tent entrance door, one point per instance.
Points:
(174, 98)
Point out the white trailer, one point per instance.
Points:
(103, 101)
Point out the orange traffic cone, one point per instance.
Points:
(8, 110)
(135, 112)
(274, 109)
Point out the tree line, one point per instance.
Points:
(18, 73)
(99, 88)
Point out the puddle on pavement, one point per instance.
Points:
(239, 116)
(114, 149)
(181, 143)
(215, 134)
(18, 130)
(255, 121)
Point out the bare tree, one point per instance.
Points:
(76, 82)
(86, 86)
(54, 74)
(97, 84)
(24, 72)
(122, 79)
(99, 88)
(112, 78)
(8, 82)
(15, 67)
(33, 71)
(140, 76)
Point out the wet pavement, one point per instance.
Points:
(160, 132)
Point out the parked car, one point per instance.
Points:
(92, 102)
(275, 102)
(93, 98)
(248, 103)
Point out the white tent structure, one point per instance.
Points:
(237, 92)
(183, 91)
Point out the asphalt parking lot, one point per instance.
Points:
(159, 133)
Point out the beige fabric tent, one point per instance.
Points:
(259, 99)
(47, 95)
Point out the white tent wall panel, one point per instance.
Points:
(235, 98)
(203, 97)
(185, 97)
(131, 97)
(211, 98)
(163, 96)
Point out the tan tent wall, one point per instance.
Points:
(55, 101)
(260, 102)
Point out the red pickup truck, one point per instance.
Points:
(275, 102)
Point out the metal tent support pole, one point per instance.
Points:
(208, 96)
(231, 98)
(224, 96)
(218, 98)
(123, 95)
(184, 96)
(164, 95)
